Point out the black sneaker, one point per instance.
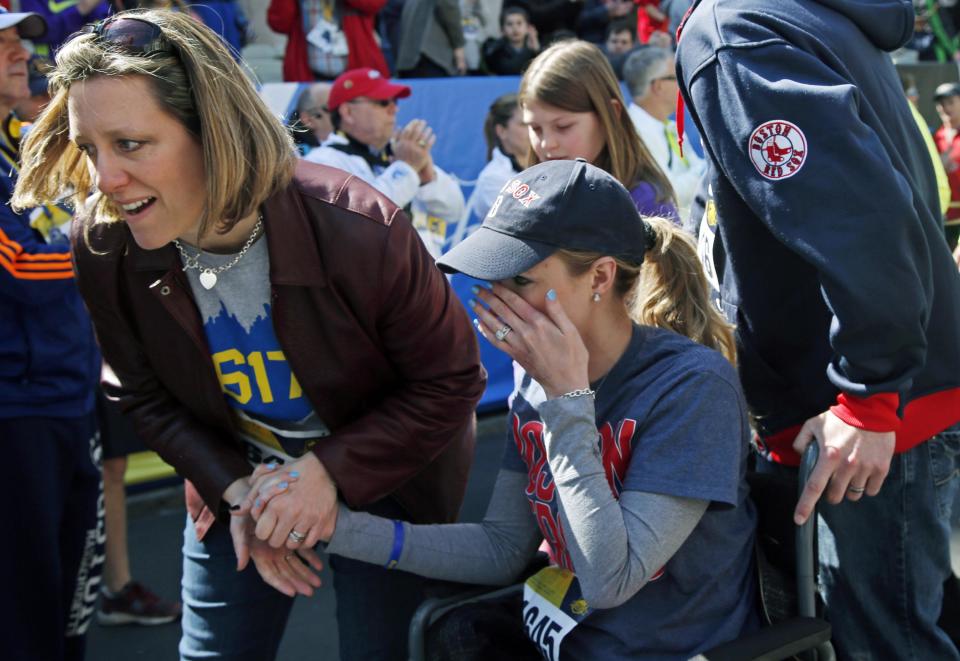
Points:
(136, 604)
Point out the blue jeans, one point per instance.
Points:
(237, 617)
(883, 560)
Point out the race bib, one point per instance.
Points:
(705, 240)
(432, 231)
(329, 38)
(264, 442)
(552, 606)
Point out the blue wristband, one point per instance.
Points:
(397, 544)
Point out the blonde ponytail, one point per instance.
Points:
(673, 292)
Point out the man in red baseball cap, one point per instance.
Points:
(365, 142)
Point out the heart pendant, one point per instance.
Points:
(208, 279)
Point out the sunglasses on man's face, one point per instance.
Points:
(383, 103)
(133, 35)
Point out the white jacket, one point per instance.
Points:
(685, 174)
(434, 207)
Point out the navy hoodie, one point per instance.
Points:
(818, 222)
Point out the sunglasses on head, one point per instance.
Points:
(134, 35)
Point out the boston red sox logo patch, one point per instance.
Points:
(778, 149)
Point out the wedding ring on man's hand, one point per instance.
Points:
(856, 489)
(502, 332)
(296, 537)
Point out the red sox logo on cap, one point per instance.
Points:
(521, 192)
(778, 149)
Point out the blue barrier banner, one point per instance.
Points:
(499, 366)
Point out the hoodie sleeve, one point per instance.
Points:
(31, 271)
(789, 137)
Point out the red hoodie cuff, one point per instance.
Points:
(874, 413)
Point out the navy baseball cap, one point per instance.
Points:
(554, 205)
(29, 24)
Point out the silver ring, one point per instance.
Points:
(502, 332)
(296, 537)
(856, 489)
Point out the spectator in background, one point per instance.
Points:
(597, 15)
(312, 124)
(618, 45)
(52, 553)
(326, 37)
(651, 20)
(947, 139)
(226, 18)
(550, 17)
(909, 83)
(431, 40)
(620, 39)
(63, 19)
(652, 81)
(510, 54)
(122, 599)
(363, 107)
(573, 108)
(675, 11)
(507, 147)
(28, 109)
(481, 22)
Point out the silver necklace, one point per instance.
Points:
(208, 276)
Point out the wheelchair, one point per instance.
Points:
(786, 567)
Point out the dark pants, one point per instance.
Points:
(425, 68)
(884, 559)
(52, 555)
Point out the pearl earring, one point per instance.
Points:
(596, 297)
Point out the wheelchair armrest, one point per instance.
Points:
(778, 641)
(434, 608)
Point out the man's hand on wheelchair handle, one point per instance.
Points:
(853, 462)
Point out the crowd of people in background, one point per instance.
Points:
(195, 245)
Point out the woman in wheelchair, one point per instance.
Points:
(629, 440)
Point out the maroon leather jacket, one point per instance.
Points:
(379, 343)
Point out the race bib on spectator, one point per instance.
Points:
(552, 606)
(329, 38)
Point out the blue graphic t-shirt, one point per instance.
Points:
(671, 420)
(275, 419)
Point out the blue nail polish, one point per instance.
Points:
(472, 303)
(475, 290)
(257, 503)
(551, 295)
(283, 485)
(294, 474)
(476, 324)
(272, 466)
